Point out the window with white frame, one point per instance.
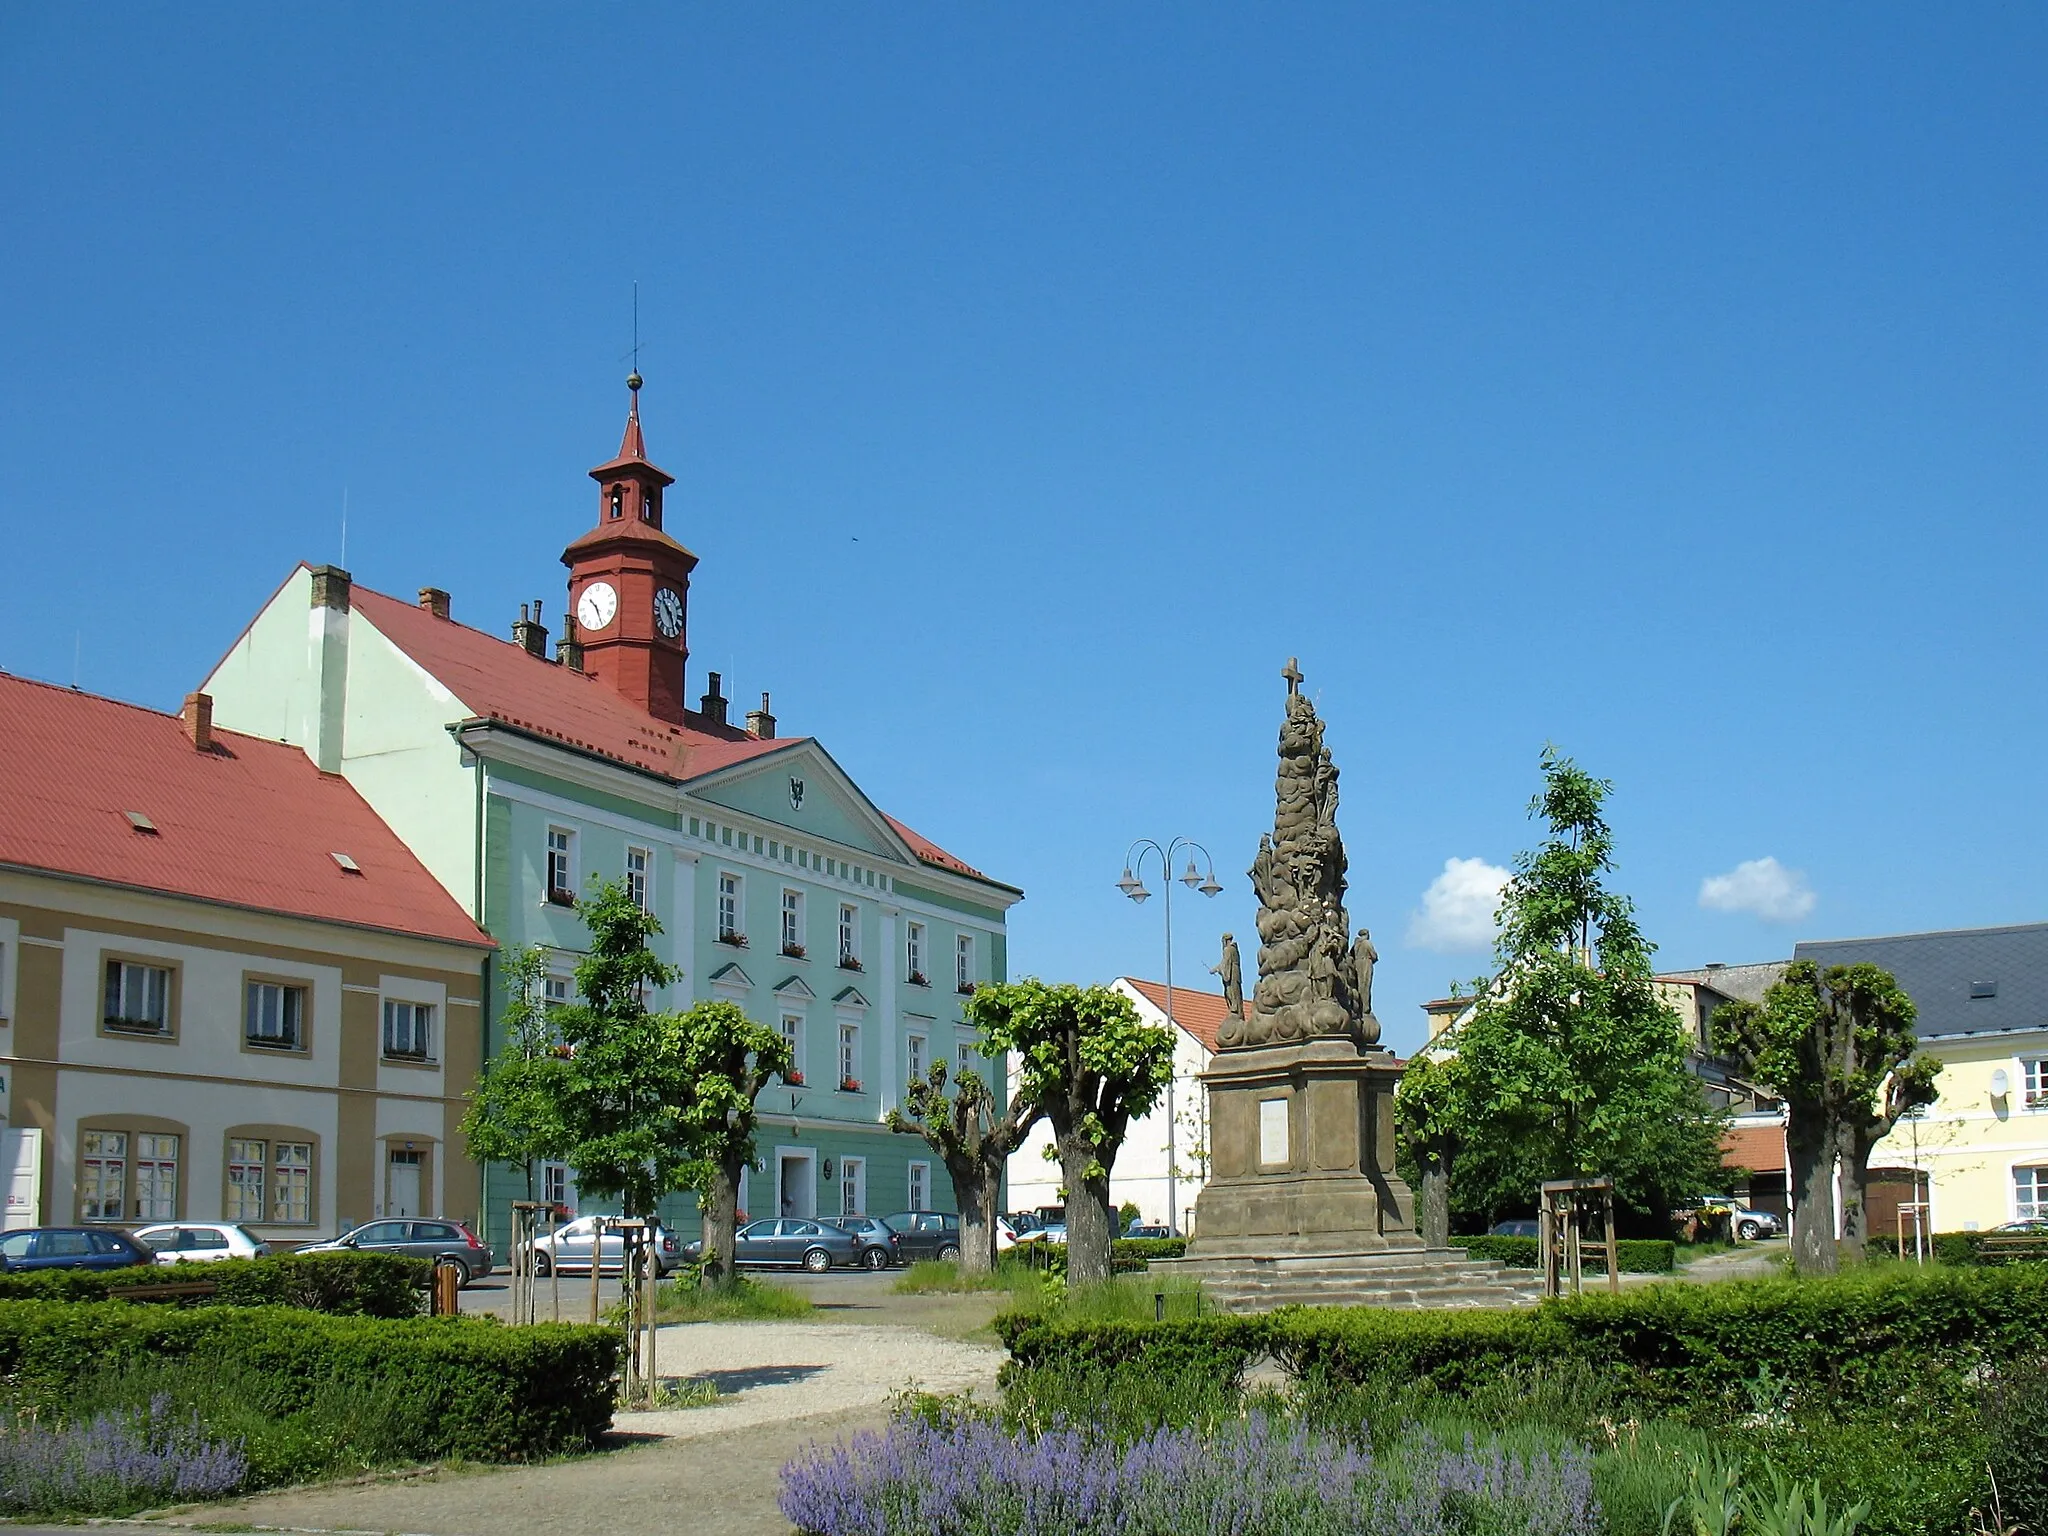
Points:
(849, 936)
(156, 1177)
(637, 860)
(963, 962)
(138, 997)
(793, 924)
(558, 989)
(554, 1184)
(561, 865)
(291, 1181)
(914, 1057)
(248, 1161)
(408, 1029)
(2034, 1082)
(102, 1175)
(913, 953)
(920, 1192)
(963, 1051)
(274, 1016)
(730, 909)
(849, 1057)
(2030, 1192)
(793, 1034)
(853, 1178)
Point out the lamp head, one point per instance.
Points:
(1193, 876)
(1209, 887)
(1130, 885)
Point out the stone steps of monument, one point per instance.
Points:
(1380, 1280)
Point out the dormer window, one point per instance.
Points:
(618, 501)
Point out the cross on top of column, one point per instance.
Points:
(1292, 672)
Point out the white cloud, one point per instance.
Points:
(1762, 887)
(1457, 909)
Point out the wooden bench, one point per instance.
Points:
(163, 1292)
(2020, 1244)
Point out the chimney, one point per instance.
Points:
(529, 634)
(569, 649)
(712, 705)
(759, 722)
(199, 721)
(435, 601)
(330, 588)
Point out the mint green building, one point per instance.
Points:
(517, 775)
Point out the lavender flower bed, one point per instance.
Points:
(114, 1463)
(968, 1476)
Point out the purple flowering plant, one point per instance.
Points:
(961, 1473)
(115, 1462)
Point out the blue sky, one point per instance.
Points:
(1663, 382)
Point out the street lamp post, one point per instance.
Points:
(1134, 887)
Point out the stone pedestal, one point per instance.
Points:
(1301, 1154)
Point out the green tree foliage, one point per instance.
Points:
(513, 1115)
(625, 1077)
(723, 1060)
(1569, 1065)
(973, 1144)
(1090, 1065)
(1429, 1107)
(1838, 1047)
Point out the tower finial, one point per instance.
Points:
(633, 378)
(633, 446)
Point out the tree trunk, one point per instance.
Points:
(720, 1210)
(1811, 1153)
(1435, 1202)
(974, 1187)
(1856, 1191)
(1088, 1219)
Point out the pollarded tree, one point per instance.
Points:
(620, 1089)
(726, 1059)
(1571, 1064)
(1091, 1066)
(513, 1115)
(973, 1144)
(1838, 1047)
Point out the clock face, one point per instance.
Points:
(597, 606)
(668, 613)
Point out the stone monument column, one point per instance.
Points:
(1301, 1096)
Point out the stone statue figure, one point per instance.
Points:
(1309, 983)
(1363, 958)
(1231, 970)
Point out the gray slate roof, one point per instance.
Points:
(1940, 970)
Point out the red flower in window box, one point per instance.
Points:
(794, 951)
(850, 963)
(965, 989)
(794, 1078)
(919, 979)
(849, 1085)
(736, 940)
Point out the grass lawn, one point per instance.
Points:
(745, 1300)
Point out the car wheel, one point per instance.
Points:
(950, 1254)
(817, 1260)
(543, 1266)
(1748, 1231)
(461, 1270)
(874, 1258)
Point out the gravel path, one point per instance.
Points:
(712, 1471)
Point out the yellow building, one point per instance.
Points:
(1980, 1152)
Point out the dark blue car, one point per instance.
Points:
(71, 1248)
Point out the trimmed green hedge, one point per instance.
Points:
(1963, 1249)
(344, 1284)
(1127, 1255)
(1669, 1347)
(491, 1393)
(1639, 1255)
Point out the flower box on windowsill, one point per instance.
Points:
(794, 951)
(850, 963)
(965, 989)
(2038, 1099)
(793, 1079)
(415, 1057)
(135, 1026)
(849, 1085)
(736, 940)
(561, 898)
(919, 979)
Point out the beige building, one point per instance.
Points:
(227, 991)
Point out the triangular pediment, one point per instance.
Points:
(795, 987)
(849, 997)
(803, 789)
(730, 975)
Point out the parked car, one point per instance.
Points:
(1749, 1224)
(1522, 1227)
(1051, 1232)
(2034, 1225)
(879, 1247)
(71, 1248)
(1015, 1228)
(438, 1242)
(1142, 1229)
(188, 1242)
(789, 1243)
(926, 1234)
(568, 1247)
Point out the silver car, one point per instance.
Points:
(790, 1243)
(186, 1242)
(567, 1248)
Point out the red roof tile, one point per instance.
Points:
(1759, 1148)
(250, 823)
(1201, 1014)
(499, 680)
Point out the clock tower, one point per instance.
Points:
(629, 582)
